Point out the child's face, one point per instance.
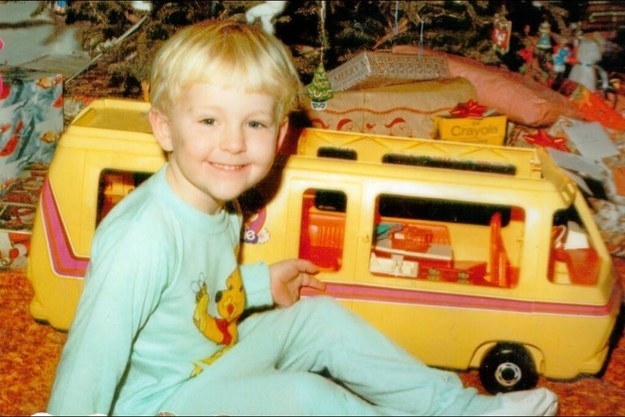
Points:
(221, 141)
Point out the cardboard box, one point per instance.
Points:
(377, 69)
(31, 119)
(488, 130)
(405, 110)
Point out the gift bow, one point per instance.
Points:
(469, 109)
(543, 139)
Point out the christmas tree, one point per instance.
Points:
(330, 38)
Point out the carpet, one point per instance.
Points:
(29, 352)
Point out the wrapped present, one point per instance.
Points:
(398, 110)
(17, 213)
(593, 106)
(471, 122)
(520, 98)
(375, 69)
(31, 119)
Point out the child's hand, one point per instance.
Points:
(288, 276)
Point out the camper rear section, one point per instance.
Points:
(102, 155)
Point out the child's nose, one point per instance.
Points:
(233, 141)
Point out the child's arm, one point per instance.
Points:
(120, 292)
(287, 278)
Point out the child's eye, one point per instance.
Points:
(209, 122)
(255, 124)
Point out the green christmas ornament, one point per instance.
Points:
(320, 89)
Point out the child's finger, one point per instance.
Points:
(310, 281)
(307, 266)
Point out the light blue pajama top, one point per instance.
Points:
(134, 340)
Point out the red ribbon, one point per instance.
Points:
(543, 139)
(469, 109)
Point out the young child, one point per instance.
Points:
(157, 329)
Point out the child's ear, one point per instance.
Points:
(282, 133)
(161, 129)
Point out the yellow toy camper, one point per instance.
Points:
(468, 256)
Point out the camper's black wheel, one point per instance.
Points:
(508, 367)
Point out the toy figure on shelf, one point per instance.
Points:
(615, 86)
(265, 12)
(561, 57)
(527, 52)
(60, 7)
(544, 37)
(543, 53)
(586, 71)
(537, 54)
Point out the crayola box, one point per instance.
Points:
(488, 129)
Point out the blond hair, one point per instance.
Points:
(227, 53)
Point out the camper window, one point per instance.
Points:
(573, 258)
(446, 240)
(113, 186)
(323, 227)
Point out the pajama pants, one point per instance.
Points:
(318, 358)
